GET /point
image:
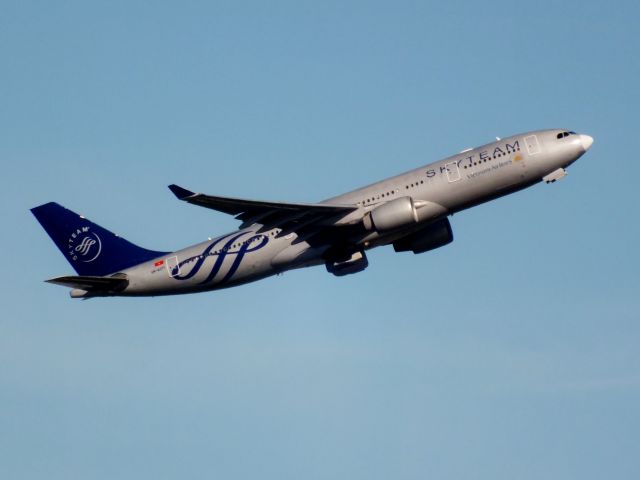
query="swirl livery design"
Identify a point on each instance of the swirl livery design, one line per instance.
(84, 245)
(214, 255)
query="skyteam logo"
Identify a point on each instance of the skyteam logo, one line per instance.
(84, 245)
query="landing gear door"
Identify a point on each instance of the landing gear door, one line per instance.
(453, 172)
(173, 267)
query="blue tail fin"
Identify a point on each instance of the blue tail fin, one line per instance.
(89, 248)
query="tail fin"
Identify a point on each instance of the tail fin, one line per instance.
(89, 248)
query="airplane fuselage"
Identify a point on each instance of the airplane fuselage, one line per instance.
(433, 192)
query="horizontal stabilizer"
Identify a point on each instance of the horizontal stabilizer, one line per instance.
(92, 284)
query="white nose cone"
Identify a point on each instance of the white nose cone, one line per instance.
(586, 141)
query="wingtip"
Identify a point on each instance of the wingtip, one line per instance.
(180, 192)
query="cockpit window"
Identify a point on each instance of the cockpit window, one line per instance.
(565, 134)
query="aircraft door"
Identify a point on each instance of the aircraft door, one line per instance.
(533, 147)
(453, 172)
(173, 266)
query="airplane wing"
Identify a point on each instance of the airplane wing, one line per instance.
(289, 217)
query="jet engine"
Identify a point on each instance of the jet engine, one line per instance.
(347, 264)
(393, 214)
(434, 235)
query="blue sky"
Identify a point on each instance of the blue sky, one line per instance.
(511, 353)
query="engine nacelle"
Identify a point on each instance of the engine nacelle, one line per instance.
(393, 214)
(434, 235)
(353, 263)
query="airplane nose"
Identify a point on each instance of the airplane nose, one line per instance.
(586, 141)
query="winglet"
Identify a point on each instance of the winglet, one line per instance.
(180, 192)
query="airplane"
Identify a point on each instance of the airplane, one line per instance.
(409, 211)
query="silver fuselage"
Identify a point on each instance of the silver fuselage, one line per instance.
(442, 188)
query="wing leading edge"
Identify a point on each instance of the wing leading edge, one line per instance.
(288, 217)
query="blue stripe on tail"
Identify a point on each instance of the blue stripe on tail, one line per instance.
(89, 248)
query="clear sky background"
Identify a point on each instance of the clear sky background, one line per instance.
(511, 353)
